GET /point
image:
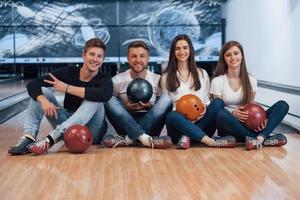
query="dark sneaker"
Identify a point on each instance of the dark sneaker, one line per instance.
(252, 143)
(162, 142)
(40, 147)
(225, 142)
(112, 141)
(276, 140)
(184, 142)
(21, 147)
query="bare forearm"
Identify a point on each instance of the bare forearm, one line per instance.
(76, 91)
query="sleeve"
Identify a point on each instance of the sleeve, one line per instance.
(206, 88)
(34, 88)
(215, 88)
(102, 92)
(115, 82)
(163, 83)
(156, 87)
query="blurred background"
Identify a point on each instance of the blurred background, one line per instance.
(37, 37)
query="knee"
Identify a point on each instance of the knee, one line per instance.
(222, 115)
(113, 102)
(171, 116)
(47, 92)
(218, 103)
(283, 105)
(92, 104)
(100, 107)
(164, 102)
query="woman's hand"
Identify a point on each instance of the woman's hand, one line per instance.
(240, 114)
(262, 126)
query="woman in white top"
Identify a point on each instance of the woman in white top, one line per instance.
(236, 87)
(183, 77)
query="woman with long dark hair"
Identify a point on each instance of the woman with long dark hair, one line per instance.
(237, 87)
(183, 77)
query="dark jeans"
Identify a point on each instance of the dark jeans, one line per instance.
(135, 124)
(178, 125)
(227, 124)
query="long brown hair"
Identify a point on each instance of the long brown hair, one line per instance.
(222, 68)
(172, 82)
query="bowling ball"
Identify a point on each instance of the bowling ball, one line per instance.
(139, 90)
(256, 115)
(78, 138)
(190, 106)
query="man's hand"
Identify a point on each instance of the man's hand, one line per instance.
(49, 109)
(137, 106)
(57, 84)
(146, 106)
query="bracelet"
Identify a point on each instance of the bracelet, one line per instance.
(67, 86)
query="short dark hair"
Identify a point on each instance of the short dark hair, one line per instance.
(137, 44)
(94, 42)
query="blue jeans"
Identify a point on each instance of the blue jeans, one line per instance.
(90, 114)
(178, 125)
(227, 124)
(135, 124)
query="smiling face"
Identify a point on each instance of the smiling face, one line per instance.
(93, 59)
(182, 51)
(138, 58)
(233, 57)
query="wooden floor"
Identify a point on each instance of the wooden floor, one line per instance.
(142, 173)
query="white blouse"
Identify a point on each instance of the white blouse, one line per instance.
(185, 87)
(220, 87)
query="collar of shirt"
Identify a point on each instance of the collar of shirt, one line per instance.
(189, 81)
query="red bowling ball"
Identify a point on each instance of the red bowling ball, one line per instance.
(190, 106)
(256, 115)
(78, 138)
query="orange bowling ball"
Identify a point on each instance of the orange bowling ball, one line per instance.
(78, 138)
(190, 106)
(256, 115)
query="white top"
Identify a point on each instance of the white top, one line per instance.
(122, 80)
(220, 87)
(185, 88)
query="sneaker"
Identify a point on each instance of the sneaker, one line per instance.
(112, 141)
(162, 142)
(225, 142)
(276, 140)
(252, 143)
(40, 147)
(184, 142)
(21, 147)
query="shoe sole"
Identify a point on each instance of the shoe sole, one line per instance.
(18, 153)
